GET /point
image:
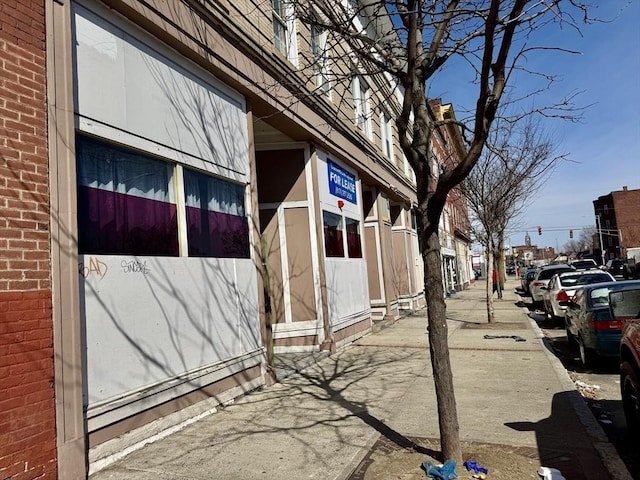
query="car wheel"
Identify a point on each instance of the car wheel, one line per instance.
(587, 355)
(630, 389)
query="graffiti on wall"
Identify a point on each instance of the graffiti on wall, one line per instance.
(95, 267)
(134, 266)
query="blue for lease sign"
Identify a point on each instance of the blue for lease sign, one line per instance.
(342, 184)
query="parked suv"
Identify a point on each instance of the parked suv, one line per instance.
(625, 306)
(584, 264)
(616, 267)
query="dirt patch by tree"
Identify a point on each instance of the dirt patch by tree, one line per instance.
(388, 461)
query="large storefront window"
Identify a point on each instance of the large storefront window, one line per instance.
(216, 223)
(125, 206)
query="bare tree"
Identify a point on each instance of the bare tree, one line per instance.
(519, 158)
(584, 242)
(410, 40)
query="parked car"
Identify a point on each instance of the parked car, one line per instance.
(584, 264)
(542, 278)
(590, 324)
(563, 286)
(625, 307)
(526, 277)
(510, 269)
(616, 267)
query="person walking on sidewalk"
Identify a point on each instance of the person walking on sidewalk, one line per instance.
(496, 283)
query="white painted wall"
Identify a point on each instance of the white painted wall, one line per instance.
(347, 291)
(135, 91)
(149, 319)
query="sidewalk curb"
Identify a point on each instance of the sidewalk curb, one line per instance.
(607, 452)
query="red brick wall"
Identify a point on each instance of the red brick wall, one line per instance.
(627, 207)
(27, 413)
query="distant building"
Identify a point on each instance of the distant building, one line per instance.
(618, 222)
(529, 254)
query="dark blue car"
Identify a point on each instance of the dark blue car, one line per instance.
(589, 322)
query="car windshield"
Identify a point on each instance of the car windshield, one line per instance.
(584, 264)
(584, 279)
(600, 296)
(547, 274)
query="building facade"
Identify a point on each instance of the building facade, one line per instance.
(618, 222)
(188, 190)
(455, 226)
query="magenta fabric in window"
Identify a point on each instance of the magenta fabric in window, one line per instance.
(333, 242)
(354, 245)
(124, 203)
(111, 223)
(333, 236)
(216, 234)
(216, 221)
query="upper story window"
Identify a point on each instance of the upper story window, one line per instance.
(362, 105)
(320, 54)
(284, 29)
(386, 135)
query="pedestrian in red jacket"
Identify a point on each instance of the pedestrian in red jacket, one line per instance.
(496, 283)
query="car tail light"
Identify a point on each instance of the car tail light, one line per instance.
(606, 325)
(562, 296)
(538, 284)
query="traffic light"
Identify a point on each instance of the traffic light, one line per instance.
(539, 230)
(570, 233)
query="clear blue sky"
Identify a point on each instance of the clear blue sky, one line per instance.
(604, 148)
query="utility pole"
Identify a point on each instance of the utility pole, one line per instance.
(600, 236)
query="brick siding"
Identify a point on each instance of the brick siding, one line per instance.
(27, 412)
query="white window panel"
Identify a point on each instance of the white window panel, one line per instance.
(362, 106)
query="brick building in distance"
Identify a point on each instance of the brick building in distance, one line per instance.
(618, 222)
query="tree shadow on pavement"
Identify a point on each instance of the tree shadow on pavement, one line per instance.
(563, 441)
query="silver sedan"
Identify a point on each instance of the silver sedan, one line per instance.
(562, 287)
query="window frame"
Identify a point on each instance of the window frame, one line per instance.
(345, 248)
(386, 133)
(320, 54)
(282, 16)
(362, 105)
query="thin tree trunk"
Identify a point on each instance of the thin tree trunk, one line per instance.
(439, 349)
(501, 265)
(490, 267)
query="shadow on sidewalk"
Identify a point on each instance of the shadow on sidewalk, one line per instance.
(563, 442)
(329, 380)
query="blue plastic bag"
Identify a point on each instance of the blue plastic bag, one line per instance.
(444, 472)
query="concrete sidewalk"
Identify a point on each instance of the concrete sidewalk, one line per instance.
(322, 421)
